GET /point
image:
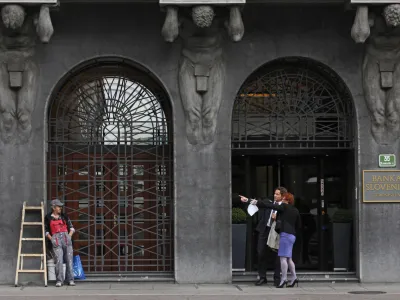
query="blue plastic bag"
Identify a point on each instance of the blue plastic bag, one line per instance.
(78, 269)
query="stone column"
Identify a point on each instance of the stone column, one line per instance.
(378, 27)
(203, 202)
(21, 156)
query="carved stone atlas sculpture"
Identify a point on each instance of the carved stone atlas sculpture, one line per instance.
(18, 72)
(201, 69)
(379, 29)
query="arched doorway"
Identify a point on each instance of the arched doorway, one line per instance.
(292, 126)
(110, 160)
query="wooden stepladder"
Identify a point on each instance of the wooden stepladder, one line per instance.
(42, 256)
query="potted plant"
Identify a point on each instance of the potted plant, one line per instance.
(342, 231)
(239, 229)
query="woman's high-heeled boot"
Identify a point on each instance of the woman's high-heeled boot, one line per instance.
(295, 282)
(282, 284)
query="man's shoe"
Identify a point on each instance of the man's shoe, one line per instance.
(58, 284)
(71, 283)
(261, 281)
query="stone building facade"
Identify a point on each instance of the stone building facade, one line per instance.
(55, 132)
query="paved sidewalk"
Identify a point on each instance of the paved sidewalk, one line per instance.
(160, 291)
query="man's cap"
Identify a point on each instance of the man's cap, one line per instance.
(56, 202)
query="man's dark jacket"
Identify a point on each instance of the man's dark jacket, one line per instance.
(264, 213)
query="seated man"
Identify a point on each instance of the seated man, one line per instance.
(59, 231)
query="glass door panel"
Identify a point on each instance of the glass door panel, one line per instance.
(299, 176)
(316, 200)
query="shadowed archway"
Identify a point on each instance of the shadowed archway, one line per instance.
(293, 125)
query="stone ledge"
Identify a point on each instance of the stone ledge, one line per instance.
(191, 291)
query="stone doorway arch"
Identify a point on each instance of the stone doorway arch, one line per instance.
(293, 124)
(110, 160)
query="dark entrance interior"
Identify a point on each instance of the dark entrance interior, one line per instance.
(292, 126)
(322, 185)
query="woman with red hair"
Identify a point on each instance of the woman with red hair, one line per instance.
(290, 223)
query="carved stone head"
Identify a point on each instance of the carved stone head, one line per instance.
(13, 16)
(203, 15)
(391, 13)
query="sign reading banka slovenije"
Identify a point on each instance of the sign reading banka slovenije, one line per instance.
(381, 186)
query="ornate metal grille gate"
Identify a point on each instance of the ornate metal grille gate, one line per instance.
(293, 103)
(109, 159)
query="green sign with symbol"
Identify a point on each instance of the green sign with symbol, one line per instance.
(387, 160)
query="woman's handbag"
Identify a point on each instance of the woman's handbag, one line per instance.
(273, 238)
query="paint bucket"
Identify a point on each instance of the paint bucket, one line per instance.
(51, 270)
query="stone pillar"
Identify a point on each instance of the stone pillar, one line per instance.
(378, 27)
(202, 214)
(203, 202)
(21, 153)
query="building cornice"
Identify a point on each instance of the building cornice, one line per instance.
(222, 2)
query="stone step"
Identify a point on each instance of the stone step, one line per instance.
(305, 276)
(130, 277)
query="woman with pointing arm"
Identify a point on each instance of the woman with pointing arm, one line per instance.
(290, 224)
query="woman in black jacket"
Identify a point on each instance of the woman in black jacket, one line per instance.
(290, 223)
